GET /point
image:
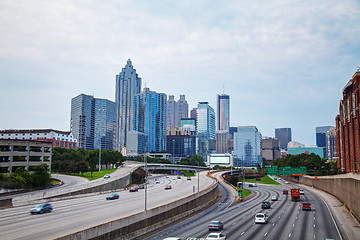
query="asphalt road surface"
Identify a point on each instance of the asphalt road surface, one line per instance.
(79, 213)
(286, 218)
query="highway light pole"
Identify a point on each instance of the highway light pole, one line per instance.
(145, 181)
(100, 154)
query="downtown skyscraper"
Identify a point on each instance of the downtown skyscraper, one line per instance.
(128, 83)
(150, 118)
(205, 130)
(284, 136)
(247, 147)
(176, 110)
(93, 122)
(223, 123)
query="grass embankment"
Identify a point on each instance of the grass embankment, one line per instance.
(266, 180)
(245, 192)
(188, 173)
(95, 174)
(54, 181)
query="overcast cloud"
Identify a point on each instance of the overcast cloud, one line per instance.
(283, 63)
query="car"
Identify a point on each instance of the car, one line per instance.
(167, 187)
(107, 176)
(306, 206)
(141, 186)
(112, 196)
(178, 177)
(274, 198)
(261, 218)
(285, 192)
(216, 236)
(157, 180)
(286, 182)
(189, 178)
(41, 208)
(167, 176)
(215, 225)
(172, 238)
(265, 205)
(134, 189)
(301, 192)
(251, 185)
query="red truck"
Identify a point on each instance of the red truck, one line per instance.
(295, 194)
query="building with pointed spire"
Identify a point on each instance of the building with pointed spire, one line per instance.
(128, 83)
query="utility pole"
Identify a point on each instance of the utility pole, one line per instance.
(100, 155)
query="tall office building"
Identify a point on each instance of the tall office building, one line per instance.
(321, 135)
(176, 110)
(150, 118)
(193, 113)
(331, 151)
(284, 136)
(93, 121)
(271, 148)
(170, 112)
(223, 123)
(247, 147)
(82, 120)
(128, 83)
(205, 132)
(182, 110)
(223, 112)
(105, 124)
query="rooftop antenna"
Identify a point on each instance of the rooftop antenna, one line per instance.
(223, 88)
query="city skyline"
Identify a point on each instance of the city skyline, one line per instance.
(280, 69)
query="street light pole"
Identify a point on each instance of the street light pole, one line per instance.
(145, 181)
(100, 155)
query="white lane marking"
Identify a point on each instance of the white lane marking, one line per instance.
(290, 235)
(279, 216)
(265, 234)
(314, 225)
(337, 229)
(274, 224)
(234, 223)
(314, 218)
(294, 225)
(296, 217)
(242, 233)
(314, 236)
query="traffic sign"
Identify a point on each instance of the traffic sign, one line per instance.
(240, 192)
(285, 171)
(273, 170)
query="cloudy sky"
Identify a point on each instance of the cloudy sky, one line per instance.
(283, 63)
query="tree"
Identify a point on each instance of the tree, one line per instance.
(138, 175)
(41, 176)
(92, 159)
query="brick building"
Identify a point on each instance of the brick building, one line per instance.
(348, 127)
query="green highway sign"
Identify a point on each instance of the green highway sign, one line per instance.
(240, 192)
(272, 170)
(299, 171)
(285, 171)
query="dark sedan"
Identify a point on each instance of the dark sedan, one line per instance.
(265, 205)
(41, 208)
(112, 196)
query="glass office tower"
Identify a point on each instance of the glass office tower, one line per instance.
(284, 136)
(105, 124)
(321, 135)
(223, 112)
(93, 121)
(205, 130)
(150, 118)
(82, 120)
(247, 147)
(128, 83)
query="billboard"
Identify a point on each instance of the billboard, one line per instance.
(219, 160)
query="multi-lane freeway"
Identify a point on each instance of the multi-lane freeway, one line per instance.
(75, 214)
(286, 218)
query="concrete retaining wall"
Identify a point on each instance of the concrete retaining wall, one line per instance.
(345, 188)
(6, 203)
(143, 222)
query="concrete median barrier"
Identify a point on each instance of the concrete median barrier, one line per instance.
(146, 221)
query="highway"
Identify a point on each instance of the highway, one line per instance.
(75, 214)
(286, 218)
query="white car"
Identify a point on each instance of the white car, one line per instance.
(286, 182)
(261, 218)
(107, 176)
(157, 180)
(215, 236)
(301, 192)
(274, 198)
